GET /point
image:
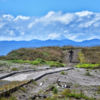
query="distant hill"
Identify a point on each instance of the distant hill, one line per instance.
(7, 46)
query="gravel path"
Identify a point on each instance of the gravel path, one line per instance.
(33, 75)
(75, 79)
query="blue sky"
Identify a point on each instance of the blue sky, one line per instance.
(77, 20)
(41, 7)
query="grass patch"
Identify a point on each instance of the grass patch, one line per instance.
(10, 98)
(98, 90)
(63, 73)
(55, 90)
(87, 73)
(23, 89)
(67, 94)
(34, 82)
(45, 53)
(11, 85)
(14, 69)
(55, 64)
(88, 66)
(5, 63)
(39, 61)
(81, 57)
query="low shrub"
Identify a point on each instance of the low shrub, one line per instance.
(87, 73)
(81, 57)
(5, 63)
(38, 61)
(62, 73)
(14, 69)
(88, 65)
(23, 89)
(98, 90)
(66, 92)
(55, 90)
(8, 98)
(55, 64)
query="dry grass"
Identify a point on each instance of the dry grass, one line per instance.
(92, 55)
(87, 54)
(45, 53)
(11, 85)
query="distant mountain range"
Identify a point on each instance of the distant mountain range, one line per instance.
(8, 46)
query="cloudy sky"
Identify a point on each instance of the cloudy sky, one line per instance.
(77, 20)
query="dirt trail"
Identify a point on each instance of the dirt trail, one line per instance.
(34, 75)
(75, 79)
(74, 57)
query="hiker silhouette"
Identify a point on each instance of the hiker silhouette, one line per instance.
(70, 55)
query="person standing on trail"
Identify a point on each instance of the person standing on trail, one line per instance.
(70, 55)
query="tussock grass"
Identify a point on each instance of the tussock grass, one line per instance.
(11, 85)
(45, 53)
(10, 98)
(68, 94)
(39, 61)
(5, 63)
(90, 66)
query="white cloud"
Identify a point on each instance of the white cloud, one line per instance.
(8, 17)
(21, 18)
(52, 17)
(84, 13)
(76, 26)
(53, 36)
(50, 14)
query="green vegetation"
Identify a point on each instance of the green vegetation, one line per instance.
(5, 63)
(34, 82)
(14, 69)
(68, 94)
(98, 90)
(38, 61)
(81, 57)
(45, 53)
(55, 64)
(10, 98)
(88, 66)
(23, 89)
(57, 54)
(89, 57)
(92, 55)
(87, 73)
(11, 85)
(52, 56)
(63, 73)
(55, 90)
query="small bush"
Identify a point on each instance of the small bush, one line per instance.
(14, 69)
(87, 73)
(4, 63)
(98, 90)
(81, 57)
(88, 66)
(66, 92)
(34, 82)
(55, 64)
(23, 89)
(38, 62)
(9, 98)
(55, 90)
(62, 73)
